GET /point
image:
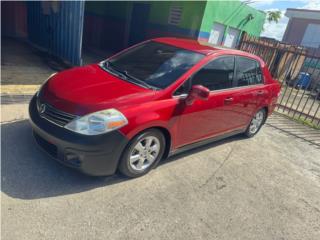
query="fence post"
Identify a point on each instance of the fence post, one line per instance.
(242, 37)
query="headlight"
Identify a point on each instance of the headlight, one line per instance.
(98, 122)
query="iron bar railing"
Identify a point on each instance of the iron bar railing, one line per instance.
(298, 71)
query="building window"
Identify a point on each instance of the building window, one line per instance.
(231, 38)
(216, 34)
(175, 15)
(311, 36)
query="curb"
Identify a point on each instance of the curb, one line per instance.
(19, 89)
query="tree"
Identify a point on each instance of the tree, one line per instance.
(273, 16)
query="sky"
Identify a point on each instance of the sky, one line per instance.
(276, 30)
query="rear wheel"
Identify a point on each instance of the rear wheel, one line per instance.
(256, 123)
(142, 153)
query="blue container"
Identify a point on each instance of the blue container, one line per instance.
(303, 80)
(57, 28)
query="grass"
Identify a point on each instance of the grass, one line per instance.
(306, 122)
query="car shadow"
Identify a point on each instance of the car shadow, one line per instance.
(29, 173)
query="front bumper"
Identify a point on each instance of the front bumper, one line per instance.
(94, 155)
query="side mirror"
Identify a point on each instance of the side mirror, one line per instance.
(197, 92)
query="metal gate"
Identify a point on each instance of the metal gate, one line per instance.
(298, 71)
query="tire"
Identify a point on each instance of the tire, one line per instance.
(142, 153)
(256, 123)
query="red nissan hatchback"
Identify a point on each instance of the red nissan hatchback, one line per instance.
(150, 101)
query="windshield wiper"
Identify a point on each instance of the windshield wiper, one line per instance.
(128, 75)
(107, 64)
(138, 80)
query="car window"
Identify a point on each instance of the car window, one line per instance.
(248, 72)
(183, 89)
(216, 75)
(155, 63)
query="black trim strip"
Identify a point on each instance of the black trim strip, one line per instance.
(205, 142)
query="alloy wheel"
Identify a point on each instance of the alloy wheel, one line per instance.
(256, 122)
(144, 153)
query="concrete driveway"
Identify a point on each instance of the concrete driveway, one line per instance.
(267, 187)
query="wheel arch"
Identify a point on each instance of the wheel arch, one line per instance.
(165, 131)
(168, 138)
(266, 108)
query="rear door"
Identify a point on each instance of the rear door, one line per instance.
(251, 91)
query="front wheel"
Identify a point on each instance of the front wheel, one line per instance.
(256, 123)
(142, 153)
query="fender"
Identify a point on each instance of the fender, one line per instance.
(150, 124)
(163, 114)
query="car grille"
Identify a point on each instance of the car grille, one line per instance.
(54, 115)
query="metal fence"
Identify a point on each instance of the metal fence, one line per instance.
(298, 71)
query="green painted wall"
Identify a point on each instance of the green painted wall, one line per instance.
(159, 11)
(232, 13)
(192, 13)
(196, 21)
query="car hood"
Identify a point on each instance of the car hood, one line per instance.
(82, 90)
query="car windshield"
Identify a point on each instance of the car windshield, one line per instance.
(154, 64)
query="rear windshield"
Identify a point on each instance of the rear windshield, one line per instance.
(156, 64)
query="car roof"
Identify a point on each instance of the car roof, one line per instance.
(200, 46)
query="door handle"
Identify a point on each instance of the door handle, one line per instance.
(260, 92)
(228, 100)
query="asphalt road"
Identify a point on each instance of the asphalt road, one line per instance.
(267, 187)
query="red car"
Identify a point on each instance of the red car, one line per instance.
(148, 102)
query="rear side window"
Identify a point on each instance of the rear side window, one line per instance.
(216, 75)
(248, 72)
